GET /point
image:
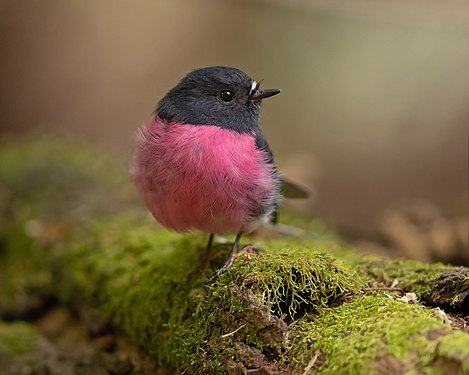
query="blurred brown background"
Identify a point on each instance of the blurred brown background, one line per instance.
(375, 106)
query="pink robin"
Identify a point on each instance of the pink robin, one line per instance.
(203, 163)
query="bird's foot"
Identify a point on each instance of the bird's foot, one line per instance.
(247, 250)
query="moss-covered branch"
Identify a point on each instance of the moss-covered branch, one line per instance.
(298, 308)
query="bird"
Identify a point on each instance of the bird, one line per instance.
(203, 162)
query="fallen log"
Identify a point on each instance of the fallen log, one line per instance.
(72, 234)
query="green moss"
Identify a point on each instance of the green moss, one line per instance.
(47, 179)
(455, 348)
(48, 187)
(409, 273)
(367, 335)
(17, 339)
(434, 283)
(147, 283)
(292, 279)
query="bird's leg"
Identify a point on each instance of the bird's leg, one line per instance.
(209, 245)
(204, 261)
(231, 259)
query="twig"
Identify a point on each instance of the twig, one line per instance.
(311, 363)
(232, 333)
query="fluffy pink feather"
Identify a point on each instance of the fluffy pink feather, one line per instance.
(203, 177)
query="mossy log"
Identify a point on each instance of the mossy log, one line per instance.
(72, 232)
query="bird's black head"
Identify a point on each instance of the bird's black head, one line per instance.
(219, 96)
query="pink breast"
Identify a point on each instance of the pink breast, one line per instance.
(203, 177)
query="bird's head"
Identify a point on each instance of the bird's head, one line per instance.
(218, 96)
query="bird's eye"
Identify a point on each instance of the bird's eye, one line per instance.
(226, 96)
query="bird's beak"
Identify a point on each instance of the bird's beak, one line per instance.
(263, 94)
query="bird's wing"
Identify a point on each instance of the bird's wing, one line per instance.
(292, 190)
(289, 189)
(261, 144)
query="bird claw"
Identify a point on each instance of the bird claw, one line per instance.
(246, 250)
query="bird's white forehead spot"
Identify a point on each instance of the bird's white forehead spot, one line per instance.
(253, 86)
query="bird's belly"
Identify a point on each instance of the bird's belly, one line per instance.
(205, 177)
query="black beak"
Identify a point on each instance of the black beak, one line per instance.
(263, 94)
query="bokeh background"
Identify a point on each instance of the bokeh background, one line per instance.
(373, 117)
